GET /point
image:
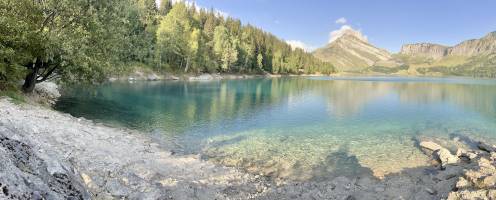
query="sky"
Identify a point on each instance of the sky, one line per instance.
(386, 24)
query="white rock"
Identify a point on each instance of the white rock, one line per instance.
(46, 92)
(203, 77)
(446, 157)
(430, 145)
(153, 77)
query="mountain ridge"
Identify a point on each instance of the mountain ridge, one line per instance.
(473, 47)
(351, 52)
(474, 57)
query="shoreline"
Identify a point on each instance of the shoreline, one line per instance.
(152, 76)
(100, 162)
(143, 75)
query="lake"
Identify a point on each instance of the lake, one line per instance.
(298, 128)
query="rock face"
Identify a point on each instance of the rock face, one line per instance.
(46, 93)
(476, 47)
(351, 53)
(28, 174)
(425, 50)
(483, 46)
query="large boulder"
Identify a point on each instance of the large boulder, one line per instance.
(27, 173)
(430, 145)
(445, 156)
(153, 77)
(46, 93)
(441, 154)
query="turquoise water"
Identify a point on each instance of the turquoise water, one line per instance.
(298, 128)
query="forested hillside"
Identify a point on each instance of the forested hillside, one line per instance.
(89, 40)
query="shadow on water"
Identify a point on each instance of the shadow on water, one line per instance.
(340, 163)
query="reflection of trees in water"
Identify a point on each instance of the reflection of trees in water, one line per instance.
(180, 105)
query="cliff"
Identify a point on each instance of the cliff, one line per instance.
(474, 47)
(425, 50)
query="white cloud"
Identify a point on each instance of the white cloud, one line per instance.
(341, 20)
(299, 44)
(346, 30)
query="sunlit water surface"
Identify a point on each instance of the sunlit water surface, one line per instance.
(298, 128)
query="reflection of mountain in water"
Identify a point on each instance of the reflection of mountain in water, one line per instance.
(472, 97)
(177, 106)
(293, 127)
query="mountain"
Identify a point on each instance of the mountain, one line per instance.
(429, 50)
(476, 57)
(351, 52)
(475, 47)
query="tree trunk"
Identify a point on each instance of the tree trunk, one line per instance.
(187, 66)
(30, 80)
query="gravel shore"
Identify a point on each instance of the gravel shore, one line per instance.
(45, 154)
(109, 163)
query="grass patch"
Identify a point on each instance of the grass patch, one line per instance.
(387, 70)
(16, 96)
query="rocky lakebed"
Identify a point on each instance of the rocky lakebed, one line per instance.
(46, 154)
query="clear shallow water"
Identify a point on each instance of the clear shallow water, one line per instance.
(298, 128)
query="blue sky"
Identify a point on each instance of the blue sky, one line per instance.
(386, 23)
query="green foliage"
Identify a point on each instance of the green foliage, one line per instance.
(260, 61)
(478, 66)
(74, 40)
(197, 40)
(387, 70)
(88, 41)
(225, 47)
(15, 95)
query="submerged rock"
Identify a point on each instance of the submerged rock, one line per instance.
(486, 147)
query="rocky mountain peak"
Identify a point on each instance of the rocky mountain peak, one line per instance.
(474, 47)
(346, 32)
(425, 50)
(349, 50)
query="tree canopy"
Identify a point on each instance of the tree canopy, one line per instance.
(89, 40)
